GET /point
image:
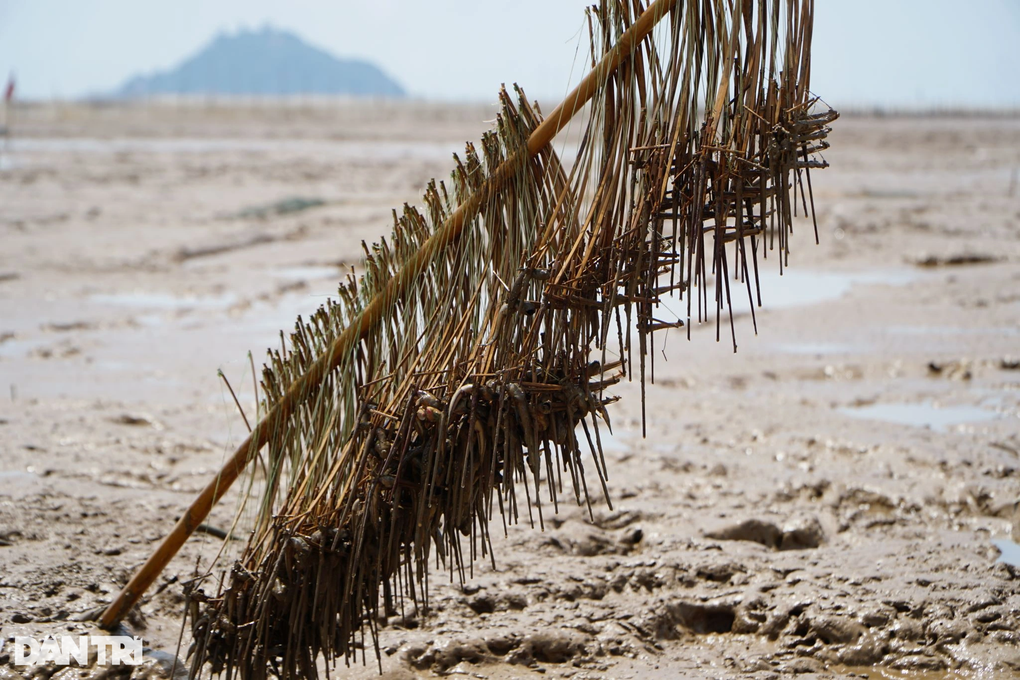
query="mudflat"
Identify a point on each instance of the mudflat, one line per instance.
(835, 497)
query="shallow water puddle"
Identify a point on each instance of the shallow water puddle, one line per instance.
(820, 348)
(17, 475)
(800, 287)
(18, 483)
(1009, 552)
(370, 149)
(166, 301)
(612, 442)
(953, 330)
(794, 288)
(14, 349)
(926, 415)
(307, 272)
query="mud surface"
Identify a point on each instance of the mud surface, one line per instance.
(823, 502)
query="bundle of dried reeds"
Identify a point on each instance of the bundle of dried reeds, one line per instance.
(465, 373)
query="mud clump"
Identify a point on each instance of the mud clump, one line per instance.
(487, 603)
(703, 619)
(831, 629)
(548, 647)
(867, 650)
(802, 534)
(674, 619)
(754, 530)
(798, 534)
(443, 655)
(555, 647)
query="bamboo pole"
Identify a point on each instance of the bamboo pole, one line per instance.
(308, 384)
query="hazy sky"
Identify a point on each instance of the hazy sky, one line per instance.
(867, 52)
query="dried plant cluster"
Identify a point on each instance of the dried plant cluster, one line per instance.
(480, 387)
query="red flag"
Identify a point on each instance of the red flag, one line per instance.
(9, 92)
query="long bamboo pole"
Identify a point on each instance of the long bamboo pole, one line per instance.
(381, 304)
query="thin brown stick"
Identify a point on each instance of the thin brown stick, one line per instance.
(237, 403)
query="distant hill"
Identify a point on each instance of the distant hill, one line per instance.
(265, 62)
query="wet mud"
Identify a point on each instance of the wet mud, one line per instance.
(836, 499)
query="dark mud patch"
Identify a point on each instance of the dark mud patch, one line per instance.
(955, 260)
(68, 327)
(136, 420)
(283, 207)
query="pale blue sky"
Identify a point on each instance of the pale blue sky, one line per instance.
(867, 52)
